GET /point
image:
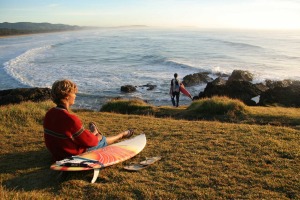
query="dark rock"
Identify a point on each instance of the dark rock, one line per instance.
(281, 94)
(220, 74)
(196, 98)
(240, 75)
(273, 84)
(250, 102)
(196, 79)
(261, 87)
(149, 86)
(13, 96)
(238, 86)
(242, 90)
(219, 81)
(128, 88)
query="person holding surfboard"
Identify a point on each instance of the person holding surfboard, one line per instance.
(64, 133)
(175, 90)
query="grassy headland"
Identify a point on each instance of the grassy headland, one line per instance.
(22, 28)
(221, 109)
(204, 156)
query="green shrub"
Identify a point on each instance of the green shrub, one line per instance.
(123, 106)
(218, 106)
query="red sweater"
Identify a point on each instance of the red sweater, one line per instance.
(65, 135)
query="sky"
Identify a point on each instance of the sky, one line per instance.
(232, 14)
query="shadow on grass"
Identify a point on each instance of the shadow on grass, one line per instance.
(31, 171)
(27, 171)
(274, 120)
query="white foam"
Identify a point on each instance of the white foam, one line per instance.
(18, 66)
(256, 99)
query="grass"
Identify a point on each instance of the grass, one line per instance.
(201, 159)
(124, 106)
(218, 106)
(221, 109)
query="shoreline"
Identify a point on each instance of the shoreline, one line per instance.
(25, 34)
(282, 93)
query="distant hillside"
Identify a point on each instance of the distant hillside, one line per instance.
(28, 27)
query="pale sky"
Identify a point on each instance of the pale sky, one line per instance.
(238, 14)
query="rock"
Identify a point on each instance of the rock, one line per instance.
(238, 86)
(219, 81)
(128, 88)
(195, 98)
(240, 75)
(14, 96)
(281, 94)
(220, 74)
(196, 79)
(273, 84)
(261, 87)
(242, 90)
(149, 86)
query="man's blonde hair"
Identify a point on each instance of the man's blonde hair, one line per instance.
(61, 89)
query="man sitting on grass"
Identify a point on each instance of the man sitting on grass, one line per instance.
(64, 133)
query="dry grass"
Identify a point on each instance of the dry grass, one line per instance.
(221, 109)
(201, 159)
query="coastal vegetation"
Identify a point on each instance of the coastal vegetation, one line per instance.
(216, 148)
(223, 109)
(19, 28)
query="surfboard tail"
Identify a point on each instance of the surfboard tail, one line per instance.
(185, 92)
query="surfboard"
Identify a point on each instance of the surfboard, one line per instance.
(184, 91)
(104, 157)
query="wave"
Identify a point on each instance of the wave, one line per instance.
(176, 65)
(15, 66)
(285, 57)
(237, 44)
(70, 41)
(164, 61)
(152, 59)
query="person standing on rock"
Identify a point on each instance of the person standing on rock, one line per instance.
(175, 90)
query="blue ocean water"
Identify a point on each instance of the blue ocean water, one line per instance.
(100, 61)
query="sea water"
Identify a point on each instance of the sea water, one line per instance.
(100, 61)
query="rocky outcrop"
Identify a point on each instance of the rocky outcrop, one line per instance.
(282, 94)
(239, 86)
(240, 75)
(220, 74)
(13, 96)
(284, 83)
(128, 88)
(262, 87)
(218, 81)
(196, 79)
(242, 90)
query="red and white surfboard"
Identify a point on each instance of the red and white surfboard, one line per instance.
(103, 157)
(184, 91)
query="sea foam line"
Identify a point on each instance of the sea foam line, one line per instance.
(17, 65)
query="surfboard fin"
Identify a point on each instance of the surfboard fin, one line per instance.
(96, 174)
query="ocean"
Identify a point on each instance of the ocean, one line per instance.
(100, 61)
